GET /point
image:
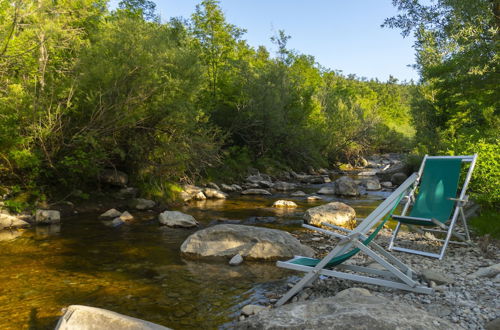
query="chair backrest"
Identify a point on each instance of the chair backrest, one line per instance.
(439, 183)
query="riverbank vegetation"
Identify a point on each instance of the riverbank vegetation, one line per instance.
(83, 88)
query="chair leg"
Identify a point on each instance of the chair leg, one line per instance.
(464, 221)
(449, 233)
(393, 238)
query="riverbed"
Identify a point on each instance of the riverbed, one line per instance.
(136, 269)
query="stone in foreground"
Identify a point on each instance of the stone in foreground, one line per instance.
(250, 242)
(335, 213)
(350, 309)
(47, 217)
(177, 219)
(284, 203)
(78, 317)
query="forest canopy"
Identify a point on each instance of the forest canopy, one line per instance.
(84, 88)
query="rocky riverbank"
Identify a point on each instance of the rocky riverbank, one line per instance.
(466, 283)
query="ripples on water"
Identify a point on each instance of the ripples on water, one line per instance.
(137, 269)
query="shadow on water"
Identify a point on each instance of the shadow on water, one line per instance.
(137, 269)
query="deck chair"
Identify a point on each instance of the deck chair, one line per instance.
(435, 202)
(395, 274)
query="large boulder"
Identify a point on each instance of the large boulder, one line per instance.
(177, 219)
(47, 217)
(335, 213)
(346, 186)
(142, 204)
(250, 242)
(214, 193)
(353, 308)
(77, 317)
(398, 178)
(283, 186)
(10, 221)
(255, 192)
(114, 177)
(397, 167)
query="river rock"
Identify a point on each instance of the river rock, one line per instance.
(114, 177)
(398, 178)
(490, 271)
(110, 214)
(283, 186)
(349, 309)
(10, 221)
(115, 222)
(346, 186)
(386, 184)
(47, 217)
(372, 184)
(252, 309)
(227, 188)
(142, 204)
(177, 219)
(330, 190)
(237, 187)
(213, 185)
(126, 216)
(78, 317)
(335, 213)
(283, 203)
(250, 242)
(189, 192)
(128, 192)
(255, 192)
(386, 174)
(214, 193)
(199, 196)
(298, 193)
(236, 260)
(265, 184)
(314, 198)
(367, 173)
(435, 276)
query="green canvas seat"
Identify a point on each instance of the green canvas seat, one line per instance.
(395, 274)
(436, 200)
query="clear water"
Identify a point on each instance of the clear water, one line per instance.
(137, 270)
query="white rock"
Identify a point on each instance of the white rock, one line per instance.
(373, 184)
(327, 191)
(77, 317)
(111, 214)
(490, 271)
(227, 188)
(298, 193)
(336, 213)
(177, 219)
(214, 193)
(126, 216)
(255, 192)
(10, 221)
(47, 216)
(386, 184)
(199, 196)
(283, 203)
(236, 260)
(314, 198)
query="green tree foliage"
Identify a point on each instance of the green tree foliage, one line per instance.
(83, 89)
(456, 108)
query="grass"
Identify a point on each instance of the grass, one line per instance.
(488, 222)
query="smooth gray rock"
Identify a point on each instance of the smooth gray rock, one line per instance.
(490, 271)
(350, 309)
(284, 186)
(298, 193)
(78, 317)
(213, 185)
(110, 214)
(437, 277)
(236, 260)
(114, 177)
(199, 196)
(252, 309)
(250, 242)
(142, 204)
(177, 219)
(214, 193)
(314, 198)
(47, 217)
(237, 187)
(283, 203)
(227, 188)
(386, 184)
(372, 184)
(255, 192)
(336, 213)
(327, 190)
(346, 186)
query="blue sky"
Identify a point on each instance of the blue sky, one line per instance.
(341, 34)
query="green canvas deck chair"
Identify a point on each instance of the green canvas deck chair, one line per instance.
(395, 274)
(437, 201)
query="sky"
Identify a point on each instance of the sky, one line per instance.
(342, 35)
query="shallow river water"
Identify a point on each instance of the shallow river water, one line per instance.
(137, 270)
